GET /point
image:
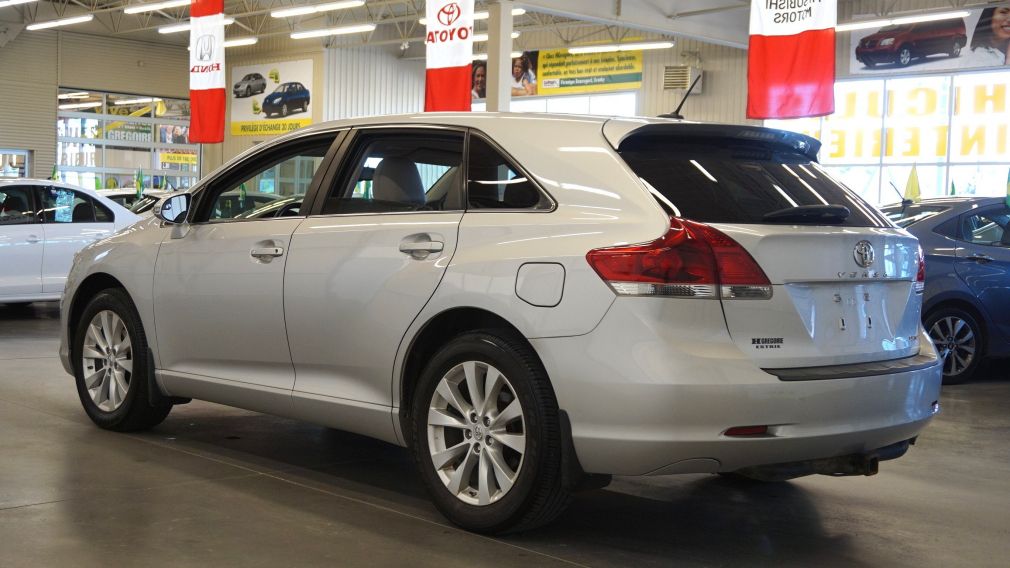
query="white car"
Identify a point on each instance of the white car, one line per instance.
(42, 226)
(128, 197)
(532, 303)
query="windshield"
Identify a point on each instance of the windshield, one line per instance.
(906, 215)
(281, 88)
(734, 180)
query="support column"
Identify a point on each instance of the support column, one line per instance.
(499, 56)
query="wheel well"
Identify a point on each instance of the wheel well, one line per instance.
(88, 289)
(434, 335)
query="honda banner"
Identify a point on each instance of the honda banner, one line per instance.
(206, 71)
(449, 43)
(791, 60)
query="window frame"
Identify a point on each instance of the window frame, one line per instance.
(345, 166)
(34, 203)
(239, 169)
(515, 165)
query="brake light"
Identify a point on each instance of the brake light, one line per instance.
(691, 260)
(920, 276)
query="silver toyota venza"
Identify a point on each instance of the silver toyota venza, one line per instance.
(531, 303)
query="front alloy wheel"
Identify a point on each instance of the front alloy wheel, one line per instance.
(904, 57)
(107, 360)
(958, 339)
(476, 433)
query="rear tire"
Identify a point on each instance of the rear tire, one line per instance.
(113, 358)
(955, 48)
(521, 490)
(960, 340)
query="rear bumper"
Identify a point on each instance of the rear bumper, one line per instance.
(647, 397)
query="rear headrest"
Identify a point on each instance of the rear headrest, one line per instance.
(520, 195)
(15, 203)
(397, 179)
(84, 213)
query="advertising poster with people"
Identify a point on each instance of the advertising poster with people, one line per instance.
(978, 41)
(557, 72)
(271, 98)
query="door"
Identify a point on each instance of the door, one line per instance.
(72, 220)
(21, 243)
(364, 265)
(218, 298)
(984, 261)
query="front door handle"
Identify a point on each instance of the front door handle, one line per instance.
(266, 252)
(980, 258)
(32, 239)
(421, 250)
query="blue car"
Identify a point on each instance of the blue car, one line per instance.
(286, 98)
(966, 307)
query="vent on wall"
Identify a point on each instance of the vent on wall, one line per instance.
(680, 77)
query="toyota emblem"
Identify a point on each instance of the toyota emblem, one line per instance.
(205, 48)
(863, 254)
(449, 14)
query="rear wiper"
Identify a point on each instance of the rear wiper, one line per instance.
(809, 213)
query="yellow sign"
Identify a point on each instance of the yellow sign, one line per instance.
(269, 127)
(177, 158)
(563, 73)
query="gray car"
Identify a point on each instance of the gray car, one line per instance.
(967, 246)
(251, 84)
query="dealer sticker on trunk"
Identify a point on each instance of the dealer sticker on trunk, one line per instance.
(767, 342)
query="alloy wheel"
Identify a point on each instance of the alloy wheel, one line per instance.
(107, 360)
(955, 340)
(476, 433)
(905, 56)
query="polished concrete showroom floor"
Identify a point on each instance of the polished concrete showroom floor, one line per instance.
(215, 486)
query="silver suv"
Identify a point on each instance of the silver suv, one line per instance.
(531, 303)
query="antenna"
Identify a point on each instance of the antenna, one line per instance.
(676, 113)
(904, 202)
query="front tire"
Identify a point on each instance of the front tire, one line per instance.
(112, 367)
(904, 56)
(284, 109)
(960, 340)
(487, 436)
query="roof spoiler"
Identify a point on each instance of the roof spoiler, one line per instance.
(792, 141)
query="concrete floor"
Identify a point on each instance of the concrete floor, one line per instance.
(215, 486)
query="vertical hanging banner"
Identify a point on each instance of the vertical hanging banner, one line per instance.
(449, 48)
(791, 58)
(206, 71)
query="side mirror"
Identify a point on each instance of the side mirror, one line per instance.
(172, 209)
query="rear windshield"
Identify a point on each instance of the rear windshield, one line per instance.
(726, 180)
(905, 215)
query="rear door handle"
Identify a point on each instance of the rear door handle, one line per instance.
(982, 258)
(33, 239)
(421, 250)
(266, 252)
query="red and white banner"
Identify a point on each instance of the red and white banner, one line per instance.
(206, 71)
(791, 61)
(449, 44)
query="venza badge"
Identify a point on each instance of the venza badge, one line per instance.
(863, 254)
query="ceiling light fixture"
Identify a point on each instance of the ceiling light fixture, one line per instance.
(850, 26)
(139, 101)
(241, 41)
(174, 28)
(78, 95)
(482, 15)
(620, 47)
(6, 3)
(76, 106)
(305, 10)
(361, 28)
(63, 22)
(141, 8)
(483, 37)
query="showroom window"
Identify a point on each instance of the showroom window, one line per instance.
(952, 129)
(107, 140)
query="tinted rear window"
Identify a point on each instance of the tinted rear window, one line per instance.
(726, 180)
(906, 215)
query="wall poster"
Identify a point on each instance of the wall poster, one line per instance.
(271, 98)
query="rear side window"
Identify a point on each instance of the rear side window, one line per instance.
(729, 180)
(905, 215)
(990, 228)
(494, 183)
(16, 205)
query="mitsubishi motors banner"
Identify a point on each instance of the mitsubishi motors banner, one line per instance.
(791, 59)
(449, 43)
(206, 71)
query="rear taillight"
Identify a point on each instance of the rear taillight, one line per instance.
(920, 276)
(691, 260)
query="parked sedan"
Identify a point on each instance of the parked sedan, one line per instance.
(531, 304)
(42, 225)
(967, 303)
(249, 85)
(286, 98)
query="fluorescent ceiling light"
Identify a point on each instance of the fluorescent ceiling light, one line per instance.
(482, 15)
(63, 22)
(621, 47)
(362, 28)
(305, 10)
(6, 3)
(76, 106)
(141, 8)
(239, 42)
(139, 101)
(850, 26)
(483, 37)
(185, 26)
(78, 95)
(483, 56)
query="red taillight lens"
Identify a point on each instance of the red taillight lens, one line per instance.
(744, 431)
(691, 260)
(920, 276)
